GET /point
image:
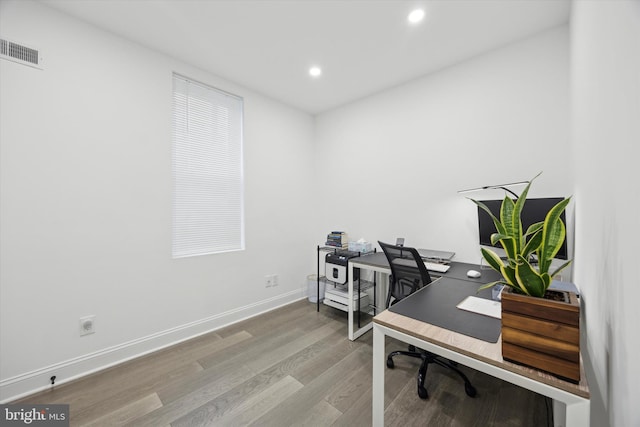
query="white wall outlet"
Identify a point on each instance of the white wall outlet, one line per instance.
(271, 280)
(87, 325)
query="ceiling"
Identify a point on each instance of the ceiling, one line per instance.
(362, 46)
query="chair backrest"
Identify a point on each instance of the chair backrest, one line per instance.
(408, 272)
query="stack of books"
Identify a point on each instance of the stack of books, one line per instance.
(337, 239)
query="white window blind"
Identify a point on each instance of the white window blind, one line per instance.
(208, 213)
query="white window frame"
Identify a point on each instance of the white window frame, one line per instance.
(208, 176)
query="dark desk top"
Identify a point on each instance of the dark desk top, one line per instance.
(437, 304)
(457, 270)
(376, 259)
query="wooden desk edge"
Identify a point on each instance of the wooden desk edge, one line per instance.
(484, 351)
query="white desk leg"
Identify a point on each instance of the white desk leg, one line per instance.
(383, 285)
(377, 398)
(350, 300)
(577, 414)
(559, 413)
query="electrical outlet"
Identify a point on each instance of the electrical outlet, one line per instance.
(87, 325)
(270, 280)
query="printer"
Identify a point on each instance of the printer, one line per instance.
(337, 272)
(336, 266)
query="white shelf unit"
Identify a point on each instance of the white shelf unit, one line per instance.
(336, 296)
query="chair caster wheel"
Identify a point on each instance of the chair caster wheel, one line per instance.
(422, 392)
(470, 390)
(390, 364)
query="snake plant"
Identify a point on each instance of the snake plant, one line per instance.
(522, 271)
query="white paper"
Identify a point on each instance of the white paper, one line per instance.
(482, 306)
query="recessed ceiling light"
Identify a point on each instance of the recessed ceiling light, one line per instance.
(315, 71)
(416, 16)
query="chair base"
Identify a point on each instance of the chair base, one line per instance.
(428, 358)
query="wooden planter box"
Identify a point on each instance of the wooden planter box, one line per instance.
(542, 333)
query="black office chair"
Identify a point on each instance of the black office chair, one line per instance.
(409, 274)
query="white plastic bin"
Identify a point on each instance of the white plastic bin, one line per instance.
(312, 288)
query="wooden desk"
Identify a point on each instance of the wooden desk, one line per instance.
(571, 401)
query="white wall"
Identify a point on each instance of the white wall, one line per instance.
(606, 107)
(86, 205)
(86, 188)
(500, 117)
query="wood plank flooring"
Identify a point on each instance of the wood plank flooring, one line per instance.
(289, 367)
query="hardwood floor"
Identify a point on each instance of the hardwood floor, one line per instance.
(289, 367)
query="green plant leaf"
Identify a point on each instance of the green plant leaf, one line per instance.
(534, 228)
(517, 210)
(553, 235)
(508, 244)
(533, 244)
(491, 285)
(559, 269)
(509, 274)
(529, 280)
(499, 227)
(492, 258)
(513, 228)
(553, 244)
(507, 271)
(546, 279)
(496, 237)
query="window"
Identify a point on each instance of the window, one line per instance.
(208, 199)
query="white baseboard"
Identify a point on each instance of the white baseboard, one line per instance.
(38, 380)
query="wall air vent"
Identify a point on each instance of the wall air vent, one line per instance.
(19, 53)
